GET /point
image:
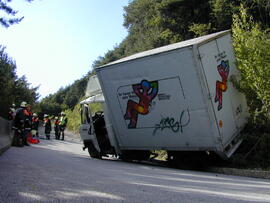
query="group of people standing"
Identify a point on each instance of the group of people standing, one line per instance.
(59, 126)
(26, 122)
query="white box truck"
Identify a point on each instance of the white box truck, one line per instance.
(178, 98)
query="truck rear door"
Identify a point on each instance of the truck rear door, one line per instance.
(218, 64)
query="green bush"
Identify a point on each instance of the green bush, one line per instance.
(253, 152)
(74, 119)
(74, 116)
(251, 45)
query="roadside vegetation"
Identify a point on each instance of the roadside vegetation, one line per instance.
(251, 43)
(13, 89)
(155, 23)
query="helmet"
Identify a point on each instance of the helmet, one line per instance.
(63, 113)
(45, 115)
(13, 105)
(23, 104)
(34, 114)
(56, 117)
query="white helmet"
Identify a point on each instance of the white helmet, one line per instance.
(23, 104)
(34, 114)
(63, 113)
(45, 115)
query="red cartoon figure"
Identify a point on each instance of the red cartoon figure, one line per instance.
(146, 91)
(223, 70)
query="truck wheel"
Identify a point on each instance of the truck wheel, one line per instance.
(94, 153)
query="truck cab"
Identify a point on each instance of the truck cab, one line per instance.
(93, 130)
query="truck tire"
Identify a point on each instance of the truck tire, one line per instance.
(93, 152)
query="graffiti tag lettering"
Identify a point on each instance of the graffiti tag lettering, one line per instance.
(173, 124)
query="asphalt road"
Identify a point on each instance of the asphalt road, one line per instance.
(59, 171)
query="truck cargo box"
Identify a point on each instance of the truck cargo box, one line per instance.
(178, 97)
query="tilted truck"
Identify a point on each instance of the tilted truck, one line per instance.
(178, 98)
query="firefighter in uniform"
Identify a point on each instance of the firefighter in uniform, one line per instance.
(63, 124)
(57, 128)
(21, 123)
(48, 126)
(35, 124)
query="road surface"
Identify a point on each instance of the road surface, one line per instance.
(59, 171)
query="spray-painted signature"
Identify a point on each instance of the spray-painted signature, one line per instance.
(172, 123)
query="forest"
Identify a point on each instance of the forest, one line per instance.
(154, 23)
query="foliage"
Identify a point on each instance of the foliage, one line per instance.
(96, 107)
(155, 23)
(251, 45)
(74, 116)
(13, 89)
(7, 21)
(221, 14)
(64, 98)
(74, 119)
(200, 29)
(254, 151)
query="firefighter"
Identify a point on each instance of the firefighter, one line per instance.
(63, 124)
(28, 122)
(57, 128)
(35, 124)
(20, 125)
(28, 118)
(48, 126)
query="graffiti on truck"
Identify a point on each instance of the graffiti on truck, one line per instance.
(221, 86)
(146, 91)
(173, 124)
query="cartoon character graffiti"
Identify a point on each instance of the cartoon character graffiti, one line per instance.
(221, 86)
(146, 91)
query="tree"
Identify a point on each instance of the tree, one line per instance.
(7, 21)
(12, 88)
